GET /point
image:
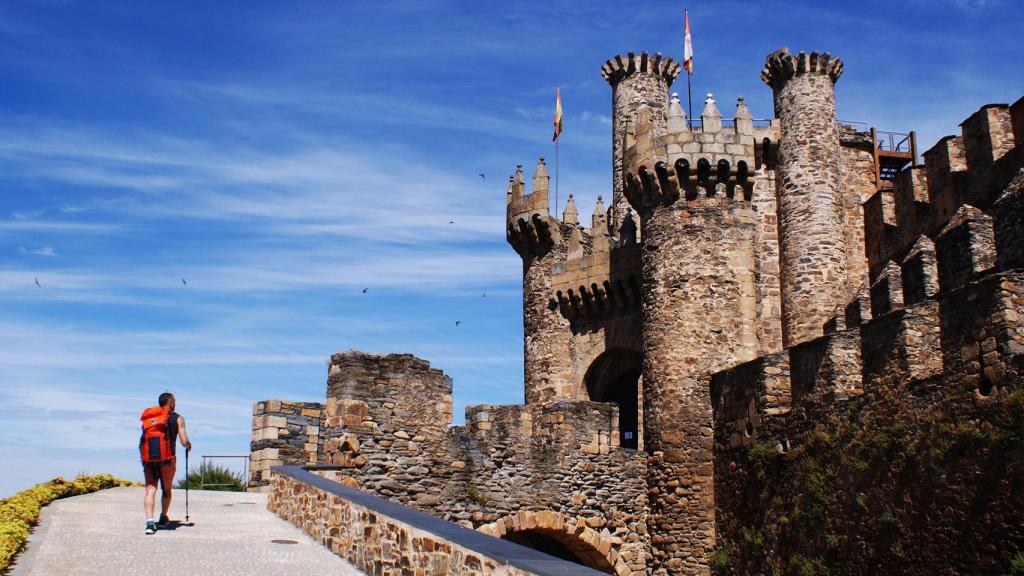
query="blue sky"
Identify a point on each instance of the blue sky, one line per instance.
(281, 157)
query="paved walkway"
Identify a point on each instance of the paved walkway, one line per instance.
(231, 533)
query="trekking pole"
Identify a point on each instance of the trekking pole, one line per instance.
(186, 485)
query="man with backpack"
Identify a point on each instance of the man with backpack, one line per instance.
(161, 426)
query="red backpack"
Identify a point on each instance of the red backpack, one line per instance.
(155, 445)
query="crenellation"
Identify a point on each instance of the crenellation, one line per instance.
(919, 271)
(987, 137)
(887, 290)
(965, 248)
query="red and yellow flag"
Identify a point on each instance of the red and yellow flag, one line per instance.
(558, 116)
(687, 46)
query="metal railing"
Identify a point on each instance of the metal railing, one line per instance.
(893, 141)
(204, 464)
(728, 122)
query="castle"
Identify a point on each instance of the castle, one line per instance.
(784, 347)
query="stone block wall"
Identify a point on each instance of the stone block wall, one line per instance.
(382, 538)
(385, 418)
(283, 432)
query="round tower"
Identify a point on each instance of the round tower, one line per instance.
(539, 240)
(638, 82)
(699, 317)
(812, 245)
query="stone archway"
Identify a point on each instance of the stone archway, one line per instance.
(614, 376)
(562, 536)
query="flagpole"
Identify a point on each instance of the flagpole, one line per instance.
(689, 100)
(556, 177)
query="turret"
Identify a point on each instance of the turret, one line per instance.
(538, 238)
(638, 82)
(699, 317)
(812, 256)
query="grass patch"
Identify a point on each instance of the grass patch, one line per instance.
(207, 473)
(19, 513)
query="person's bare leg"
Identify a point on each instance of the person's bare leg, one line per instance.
(165, 502)
(166, 483)
(150, 502)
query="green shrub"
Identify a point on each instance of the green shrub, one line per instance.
(720, 562)
(19, 513)
(1017, 565)
(207, 473)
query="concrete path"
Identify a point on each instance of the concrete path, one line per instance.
(232, 533)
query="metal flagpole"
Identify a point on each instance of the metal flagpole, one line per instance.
(689, 99)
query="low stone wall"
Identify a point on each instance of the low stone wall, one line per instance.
(283, 432)
(384, 538)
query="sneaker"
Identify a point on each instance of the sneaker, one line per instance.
(163, 521)
(150, 527)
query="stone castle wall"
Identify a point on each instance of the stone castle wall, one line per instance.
(283, 432)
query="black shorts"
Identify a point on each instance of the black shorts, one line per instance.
(162, 472)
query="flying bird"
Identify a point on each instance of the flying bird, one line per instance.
(451, 221)
(183, 283)
(458, 322)
(482, 177)
(485, 295)
(38, 285)
(365, 290)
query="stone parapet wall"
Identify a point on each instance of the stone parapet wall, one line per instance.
(383, 538)
(283, 432)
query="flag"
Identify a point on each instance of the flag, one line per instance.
(687, 46)
(558, 116)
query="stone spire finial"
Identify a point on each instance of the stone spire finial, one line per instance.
(570, 215)
(540, 177)
(627, 232)
(517, 183)
(744, 121)
(600, 214)
(676, 115)
(711, 115)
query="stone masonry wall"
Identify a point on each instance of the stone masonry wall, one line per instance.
(858, 184)
(374, 542)
(920, 474)
(386, 432)
(385, 420)
(283, 432)
(813, 244)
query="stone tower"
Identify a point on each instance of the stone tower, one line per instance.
(698, 230)
(813, 255)
(638, 83)
(537, 237)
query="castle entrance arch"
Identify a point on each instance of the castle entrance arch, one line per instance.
(555, 534)
(614, 376)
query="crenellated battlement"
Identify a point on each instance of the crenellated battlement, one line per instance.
(973, 170)
(529, 225)
(780, 66)
(617, 69)
(706, 161)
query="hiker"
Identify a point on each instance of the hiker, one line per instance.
(161, 425)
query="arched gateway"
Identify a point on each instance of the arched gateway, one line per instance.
(561, 536)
